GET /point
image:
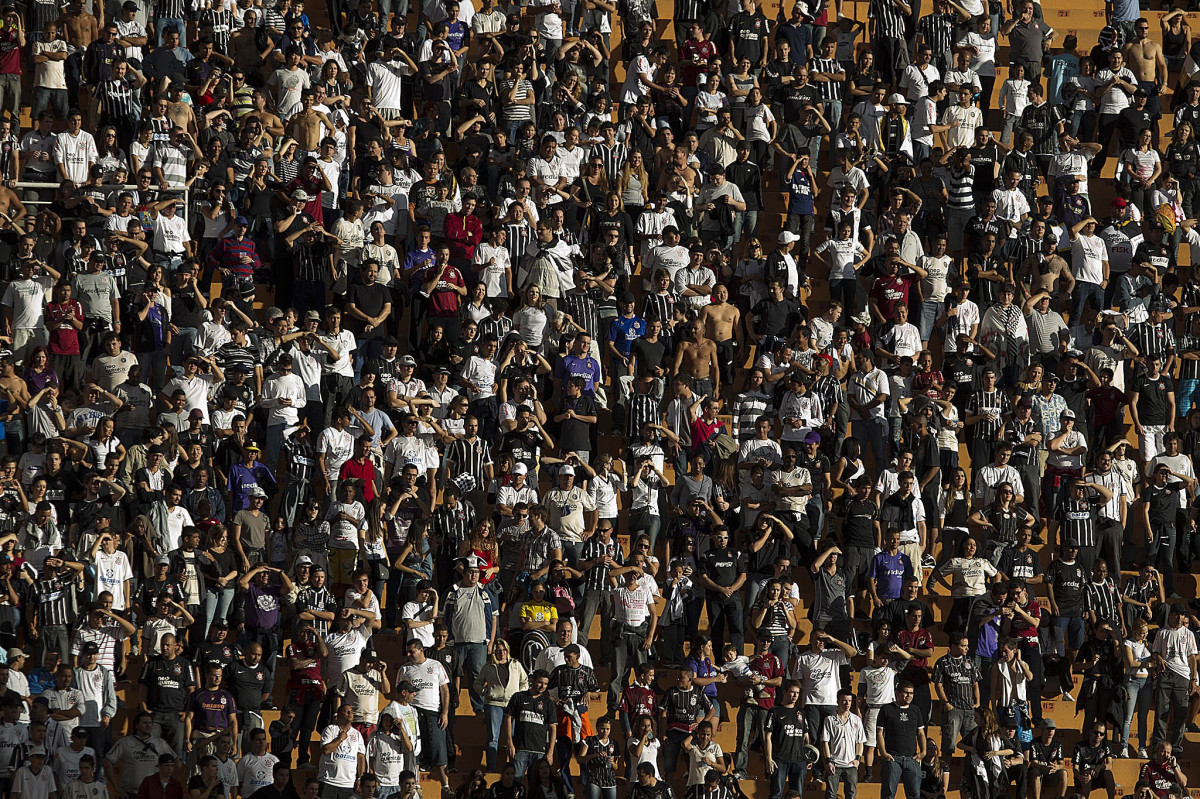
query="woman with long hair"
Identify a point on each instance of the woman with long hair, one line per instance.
(139, 150)
(738, 84)
(969, 575)
(955, 511)
(337, 84)
(508, 786)
(590, 189)
(1183, 162)
(38, 373)
(413, 565)
(497, 681)
(774, 616)
(545, 782)
(863, 76)
(473, 786)
(110, 156)
(219, 564)
(483, 544)
(1143, 166)
(103, 443)
(1138, 689)
(372, 545)
(530, 319)
(634, 185)
(998, 523)
(759, 125)
(599, 757)
(985, 766)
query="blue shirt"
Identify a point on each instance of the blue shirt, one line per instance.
(889, 572)
(585, 367)
(800, 194)
(623, 331)
(242, 479)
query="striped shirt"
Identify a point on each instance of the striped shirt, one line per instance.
(468, 457)
(938, 32)
(889, 19)
(582, 308)
(659, 306)
(1114, 482)
(612, 157)
(171, 160)
(450, 526)
(832, 89)
(515, 112)
(517, 239)
(56, 600)
(1153, 338)
(747, 408)
(642, 408)
(1079, 521)
(106, 639)
(983, 402)
(173, 9)
(1104, 600)
(596, 578)
(536, 548)
(962, 192)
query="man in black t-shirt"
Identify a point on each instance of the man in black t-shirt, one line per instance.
(1160, 507)
(530, 724)
(784, 742)
(1066, 579)
(1046, 768)
(1152, 405)
(1091, 761)
(163, 689)
(722, 573)
(901, 743)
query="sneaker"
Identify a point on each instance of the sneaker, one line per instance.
(868, 774)
(1143, 754)
(447, 792)
(1066, 697)
(741, 774)
(1192, 727)
(927, 562)
(1124, 753)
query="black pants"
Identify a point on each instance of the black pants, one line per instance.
(337, 392)
(1108, 126)
(726, 353)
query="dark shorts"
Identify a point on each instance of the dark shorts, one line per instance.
(433, 738)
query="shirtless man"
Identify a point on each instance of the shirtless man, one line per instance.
(12, 210)
(244, 46)
(720, 320)
(80, 29)
(678, 167)
(179, 112)
(697, 358)
(305, 125)
(1148, 65)
(1043, 270)
(271, 123)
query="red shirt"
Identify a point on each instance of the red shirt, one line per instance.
(10, 53)
(889, 292)
(364, 471)
(463, 234)
(694, 58)
(1107, 401)
(444, 301)
(638, 700)
(153, 788)
(64, 340)
(915, 672)
(768, 666)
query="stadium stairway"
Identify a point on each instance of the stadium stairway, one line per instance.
(1067, 16)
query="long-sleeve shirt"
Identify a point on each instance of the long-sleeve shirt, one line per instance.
(228, 255)
(289, 386)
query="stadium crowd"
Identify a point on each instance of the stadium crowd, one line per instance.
(801, 375)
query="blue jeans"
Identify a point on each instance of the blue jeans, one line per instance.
(54, 99)
(930, 309)
(216, 605)
(471, 658)
(163, 23)
(897, 770)
(1084, 292)
(1187, 394)
(744, 222)
(524, 759)
(1138, 698)
(876, 432)
(495, 720)
(787, 777)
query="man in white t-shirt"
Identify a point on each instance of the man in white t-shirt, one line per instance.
(23, 302)
(819, 673)
(1176, 652)
(386, 78)
(256, 768)
(343, 756)
(432, 701)
(1089, 265)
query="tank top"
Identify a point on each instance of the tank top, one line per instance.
(1174, 44)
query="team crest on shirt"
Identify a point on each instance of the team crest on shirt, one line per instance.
(177, 669)
(258, 676)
